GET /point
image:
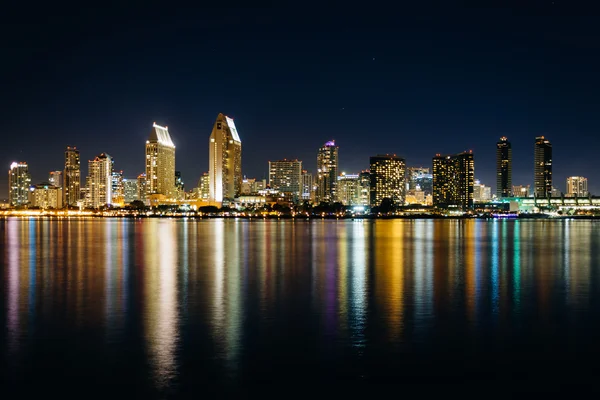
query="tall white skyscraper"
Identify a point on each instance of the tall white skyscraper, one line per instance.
(327, 172)
(225, 157)
(19, 182)
(99, 181)
(160, 162)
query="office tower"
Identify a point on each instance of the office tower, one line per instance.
(503, 168)
(577, 186)
(453, 180)
(130, 190)
(71, 178)
(19, 182)
(117, 189)
(348, 189)
(179, 185)
(99, 181)
(160, 162)
(388, 179)
(520, 191)
(55, 178)
(364, 185)
(225, 156)
(543, 167)
(327, 172)
(307, 186)
(46, 196)
(481, 192)
(142, 184)
(286, 176)
(204, 187)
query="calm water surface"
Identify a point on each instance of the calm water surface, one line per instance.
(163, 307)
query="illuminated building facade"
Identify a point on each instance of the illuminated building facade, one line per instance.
(225, 157)
(286, 176)
(327, 172)
(130, 190)
(46, 196)
(503, 168)
(577, 186)
(453, 180)
(543, 167)
(481, 192)
(388, 179)
(99, 182)
(204, 187)
(160, 162)
(521, 191)
(308, 192)
(364, 183)
(72, 177)
(348, 189)
(19, 182)
(55, 178)
(142, 185)
(118, 191)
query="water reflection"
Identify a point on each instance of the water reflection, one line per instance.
(232, 298)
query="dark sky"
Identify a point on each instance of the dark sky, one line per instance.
(379, 80)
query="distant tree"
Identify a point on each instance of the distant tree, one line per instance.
(208, 209)
(137, 205)
(386, 206)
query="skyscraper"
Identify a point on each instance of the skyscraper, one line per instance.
(160, 162)
(286, 176)
(99, 181)
(307, 186)
(327, 172)
(117, 188)
(388, 179)
(72, 177)
(543, 167)
(130, 190)
(453, 180)
(364, 184)
(577, 186)
(55, 179)
(19, 182)
(225, 156)
(142, 185)
(348, 189)
(204, 187)
(503, 168)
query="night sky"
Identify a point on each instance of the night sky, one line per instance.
(377, 81)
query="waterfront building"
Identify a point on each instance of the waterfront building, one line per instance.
(308, 192)
(327, 172)
(118, 191)
(19, 182)
(130, 190)
(364, 184)
(286, 176)
(481, 192)
(160, 162)
(503, 168)
(453, 180)
(72, 177)
(99, 182)
(542, 167)
(388, 179)
(55, 178)
(521, 191)
(577, 186)
(225, 160)
(46, 196)
(348, 189)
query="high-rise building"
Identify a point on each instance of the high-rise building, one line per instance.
(286, 176)
(503, 168)
(204, 187)
(19, 182)
(117, 188)
(142, 185)
(55, 179)
(348, 189)
(542, 167)
(481, 192)
(327, 172)
(577, 186)
(46, 196)
(364, 184)
(72, 177)
(179, 185)
(225, 156)
(307, 186)
(453, 180)
(388, 179)
(130, 190)
(99, 181)
(520, 191)
(160, 162)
